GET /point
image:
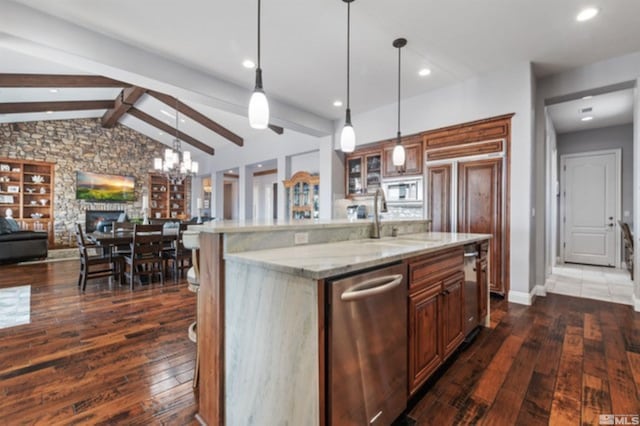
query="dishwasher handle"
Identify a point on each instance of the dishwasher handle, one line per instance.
(371, 287)
(471, 254)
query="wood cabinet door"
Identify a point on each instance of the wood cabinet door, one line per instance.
(355, 183)
(412, 163)
(425, 352)
(452, 313)
(480, 209)
(481, 271)
(439, 197)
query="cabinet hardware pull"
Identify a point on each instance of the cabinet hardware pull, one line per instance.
(371, 287)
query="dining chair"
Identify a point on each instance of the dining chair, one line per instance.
(94, 262)
(146, 254)
(178, 254)
(628, 245)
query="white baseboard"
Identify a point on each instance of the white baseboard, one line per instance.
(540, 290)
(522, 298)
(636, 302)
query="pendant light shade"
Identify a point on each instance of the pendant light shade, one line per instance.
(258, 104)
(348, 136)
(398, 151)
(398, 155)
(259, 110)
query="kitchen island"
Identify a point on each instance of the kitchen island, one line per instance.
(262, 317)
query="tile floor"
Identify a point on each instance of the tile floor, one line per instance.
(591, 282)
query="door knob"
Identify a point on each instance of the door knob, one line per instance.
(610, 225)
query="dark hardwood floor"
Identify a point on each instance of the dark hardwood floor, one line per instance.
(563, 361)
(109, 356)
(113, 356)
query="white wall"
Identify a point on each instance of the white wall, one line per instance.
(307, 162)
(263, 195)
(504, 91)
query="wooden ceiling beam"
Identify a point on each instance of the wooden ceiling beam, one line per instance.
(279, 130)
(125, 101)
(198, 117)
(26, 107)
(161, 125)
(58, 80)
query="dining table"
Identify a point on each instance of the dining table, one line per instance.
(109, 242)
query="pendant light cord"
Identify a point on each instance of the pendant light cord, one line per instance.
(177, 138)
(399, 53)
(348, 52)
(259, 34)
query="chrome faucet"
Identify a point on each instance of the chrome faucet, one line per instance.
(375, 232)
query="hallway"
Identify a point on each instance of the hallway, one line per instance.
(591, 282)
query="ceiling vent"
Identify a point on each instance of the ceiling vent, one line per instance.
(586, 110)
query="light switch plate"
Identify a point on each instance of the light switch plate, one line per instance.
(301, 238)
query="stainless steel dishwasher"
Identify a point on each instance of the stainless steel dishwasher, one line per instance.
(367, 347)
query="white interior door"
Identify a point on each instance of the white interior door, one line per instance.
(591, 197)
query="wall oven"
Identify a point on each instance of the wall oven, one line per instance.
(405, 190)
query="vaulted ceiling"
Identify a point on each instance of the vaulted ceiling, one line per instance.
(195, 51)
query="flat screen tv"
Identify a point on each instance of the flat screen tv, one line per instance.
(104, 188)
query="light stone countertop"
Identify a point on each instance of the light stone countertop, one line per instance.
(251, 225)
(319, 261)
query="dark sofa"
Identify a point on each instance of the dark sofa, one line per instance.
(17, 245)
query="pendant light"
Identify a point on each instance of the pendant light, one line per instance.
(348, 136)
(398, 150)
(258, 105)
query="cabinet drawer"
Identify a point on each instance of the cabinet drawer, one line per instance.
(429, 269)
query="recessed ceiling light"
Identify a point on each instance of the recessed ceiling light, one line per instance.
(587, 118)
(587, 97)
(49, 112)
(259, 165)
(160, 133)
(337, 103)
(586, 14)
(182, 120)
(53, 90)
(424, 72)
(248, 63)
(229, 171)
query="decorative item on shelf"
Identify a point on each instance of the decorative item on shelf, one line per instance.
(16, 170)
(13, 188)
(30, 190)
(4, 179)
(158, 215)
(8, 213)
(145, 209)
(43, 190)
(258, 104)
(176, 164)
(199, 208)
(33, 202)
(348, 135)
(398, 150)
(37, 179)
(5, 168)
(44, 201)
(36, 215)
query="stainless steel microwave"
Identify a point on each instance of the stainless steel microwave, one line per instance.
(407, 190)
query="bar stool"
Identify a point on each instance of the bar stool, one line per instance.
(193, 281)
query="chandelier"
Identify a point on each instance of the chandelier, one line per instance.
(176, 164)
